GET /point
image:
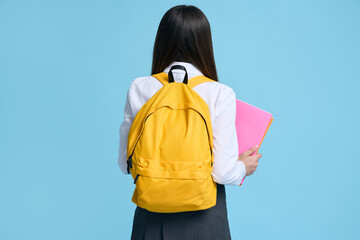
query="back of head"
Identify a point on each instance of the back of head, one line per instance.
(184, 35)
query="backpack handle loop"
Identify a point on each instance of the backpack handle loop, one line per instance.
(171, 77)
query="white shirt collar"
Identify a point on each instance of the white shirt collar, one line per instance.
(190, 68)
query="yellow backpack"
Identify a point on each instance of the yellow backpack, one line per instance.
(170, 149)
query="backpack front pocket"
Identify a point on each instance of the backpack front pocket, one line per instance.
(163, 186)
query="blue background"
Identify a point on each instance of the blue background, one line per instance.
(65, 67)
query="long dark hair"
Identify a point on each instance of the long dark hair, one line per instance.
(184, 35)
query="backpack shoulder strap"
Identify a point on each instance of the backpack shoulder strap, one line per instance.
(163, 78)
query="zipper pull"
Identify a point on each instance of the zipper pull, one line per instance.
(129, 163)
(136, 178)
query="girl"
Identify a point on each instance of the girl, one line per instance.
(184, 38)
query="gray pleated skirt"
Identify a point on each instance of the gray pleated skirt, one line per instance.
(209, 224)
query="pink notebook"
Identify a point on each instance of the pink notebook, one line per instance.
(252, 124)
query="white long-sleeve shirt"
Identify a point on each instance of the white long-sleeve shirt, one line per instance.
(221, 99)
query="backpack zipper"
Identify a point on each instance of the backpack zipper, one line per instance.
(129, 160)
(136, 178)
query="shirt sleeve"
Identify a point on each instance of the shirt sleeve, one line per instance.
(227, 169)
(124, 132)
